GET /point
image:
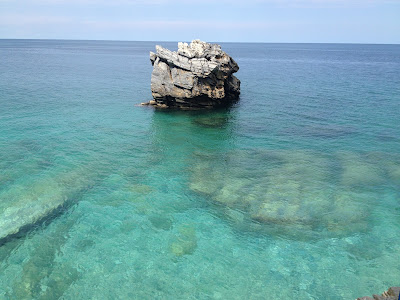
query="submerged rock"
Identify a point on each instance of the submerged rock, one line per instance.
(26, 205)
(185, 242)
(391, 294)
(328, 193)
(197, 76)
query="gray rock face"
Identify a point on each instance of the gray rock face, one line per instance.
(197, 76)
(391, 294)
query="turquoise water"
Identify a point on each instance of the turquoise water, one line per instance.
(293, 193)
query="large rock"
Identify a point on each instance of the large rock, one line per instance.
(198, 75)
(391, 294)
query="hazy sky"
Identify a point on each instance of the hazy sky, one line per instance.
(347, 21)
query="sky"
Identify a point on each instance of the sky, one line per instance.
(308, 21)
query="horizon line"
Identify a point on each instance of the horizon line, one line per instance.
(175, 41)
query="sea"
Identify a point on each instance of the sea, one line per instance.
(293, 192)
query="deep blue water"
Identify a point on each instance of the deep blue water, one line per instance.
(292, 193)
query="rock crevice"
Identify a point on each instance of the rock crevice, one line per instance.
(199, 75)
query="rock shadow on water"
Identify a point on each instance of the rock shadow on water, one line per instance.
(213, 120)
(216, 118)
(176, 134)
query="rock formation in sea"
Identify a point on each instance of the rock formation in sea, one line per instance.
(391, 294)
(199, 75)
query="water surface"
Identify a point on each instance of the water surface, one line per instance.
(292, 193)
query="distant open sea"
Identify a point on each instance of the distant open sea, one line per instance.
(291, 193)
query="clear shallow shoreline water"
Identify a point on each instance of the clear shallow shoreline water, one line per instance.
(293, 192)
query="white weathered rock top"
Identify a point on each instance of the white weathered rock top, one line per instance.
(198, 57)
(197, 49)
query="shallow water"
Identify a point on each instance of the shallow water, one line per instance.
(294, 192)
